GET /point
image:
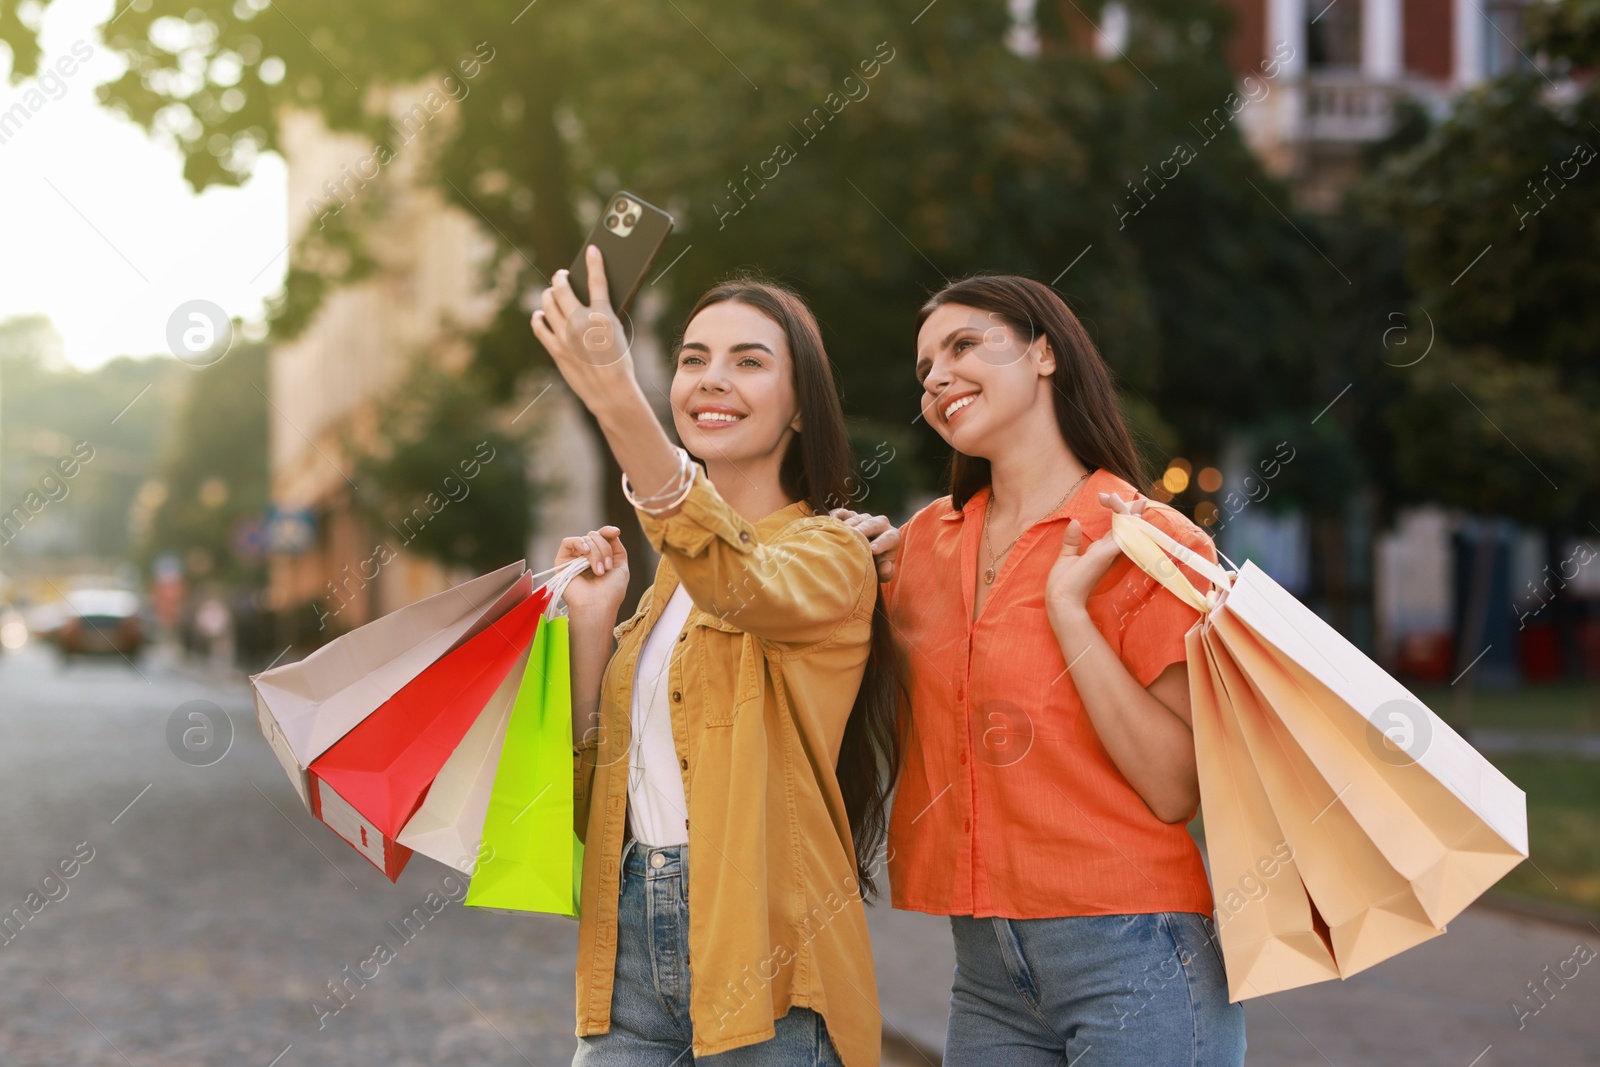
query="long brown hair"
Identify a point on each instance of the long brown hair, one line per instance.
(816, 468)
(1086, 408)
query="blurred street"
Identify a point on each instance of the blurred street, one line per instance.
(1443, 1004)
(214, 911)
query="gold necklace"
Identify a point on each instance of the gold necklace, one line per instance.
(988, 575)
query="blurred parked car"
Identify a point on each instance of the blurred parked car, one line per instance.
(43, 620)
(101, 621)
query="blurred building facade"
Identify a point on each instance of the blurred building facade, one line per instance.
(1347, 69)
(1323, 81)
(1320, 82)
(329, 383)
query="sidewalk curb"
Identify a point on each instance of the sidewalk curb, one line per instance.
(902, 1047)
(1546, 911)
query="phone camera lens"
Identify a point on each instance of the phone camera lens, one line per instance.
(612, 222)
(630, 220)
(622, 206)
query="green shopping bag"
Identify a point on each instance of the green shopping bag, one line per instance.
(531, 859)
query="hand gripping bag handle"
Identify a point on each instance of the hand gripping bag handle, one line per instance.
(557, 584)
(1152, 550)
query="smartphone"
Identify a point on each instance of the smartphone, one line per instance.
(628, 233)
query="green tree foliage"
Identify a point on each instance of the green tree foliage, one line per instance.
(214, 470)
(866, 153)
(48, 412)
(1498, 213)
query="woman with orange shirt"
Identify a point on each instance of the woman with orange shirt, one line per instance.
(1050, 767)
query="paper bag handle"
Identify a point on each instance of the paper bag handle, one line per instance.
(558, 584)
(1152, 549)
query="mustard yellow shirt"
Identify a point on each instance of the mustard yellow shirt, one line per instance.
(774, 650)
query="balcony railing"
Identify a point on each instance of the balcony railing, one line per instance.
(1347, 108)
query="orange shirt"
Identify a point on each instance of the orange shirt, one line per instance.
(1008, 804)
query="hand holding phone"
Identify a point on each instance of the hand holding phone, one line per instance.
(629, 234)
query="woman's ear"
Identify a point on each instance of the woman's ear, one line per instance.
(1047, 358)
(794, 424)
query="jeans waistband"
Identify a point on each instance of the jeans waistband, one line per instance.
(667, 861)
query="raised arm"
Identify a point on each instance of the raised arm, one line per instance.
(592, 353)
(796, 587)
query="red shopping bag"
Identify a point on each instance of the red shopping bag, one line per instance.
(371, 781)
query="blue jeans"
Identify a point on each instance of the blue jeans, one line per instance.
(1139, 990)
(650, 995)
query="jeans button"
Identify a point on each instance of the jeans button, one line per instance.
(658, 861)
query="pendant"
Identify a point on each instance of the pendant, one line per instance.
(988, 576)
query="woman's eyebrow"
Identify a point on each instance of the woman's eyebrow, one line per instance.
(696, 345)
(923, 366)
(746, 346)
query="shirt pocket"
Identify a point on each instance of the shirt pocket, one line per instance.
(1026, 695)
(729, 666)
(627, 626)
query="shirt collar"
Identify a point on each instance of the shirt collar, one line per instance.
(1099, 481)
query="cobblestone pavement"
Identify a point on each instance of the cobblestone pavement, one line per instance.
(214, 910)
(206, 912)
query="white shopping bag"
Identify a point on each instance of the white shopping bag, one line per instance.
(306, 706)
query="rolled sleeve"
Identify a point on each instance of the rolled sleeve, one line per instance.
(795, 586)
(703, 517)
(1153, 628)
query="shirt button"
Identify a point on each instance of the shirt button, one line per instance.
(966, 827)
(684, 764)
(684, 636)
(744, 535)
(658, 861)
(963, 757)
(677, 695)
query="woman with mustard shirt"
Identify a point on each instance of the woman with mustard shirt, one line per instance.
(729, 791)
(1049, 769)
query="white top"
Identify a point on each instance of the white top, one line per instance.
(658, 813)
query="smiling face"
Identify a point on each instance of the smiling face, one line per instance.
(982, 383)
(733, 396)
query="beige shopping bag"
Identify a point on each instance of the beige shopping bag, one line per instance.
(1269, 933)
(1445, 817)
(1388, 842)
(1370, 910)
(306, 706)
